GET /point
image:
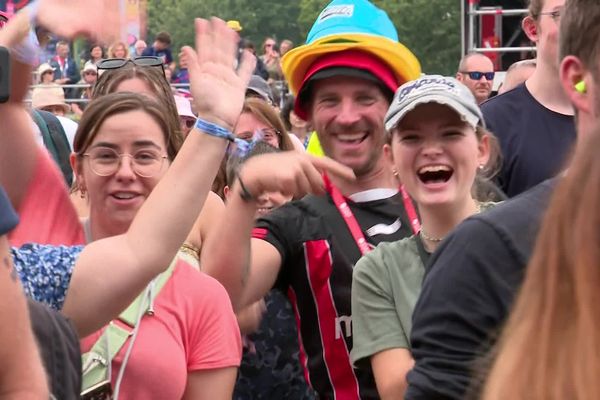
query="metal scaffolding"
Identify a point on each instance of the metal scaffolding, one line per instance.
(471, 27)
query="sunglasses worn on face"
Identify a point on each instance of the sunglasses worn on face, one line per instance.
(476, 75)
(142, 61)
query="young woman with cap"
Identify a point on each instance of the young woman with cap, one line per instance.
(438, 145)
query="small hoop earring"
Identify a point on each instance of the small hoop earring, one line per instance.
(394, 172)
(82, 192)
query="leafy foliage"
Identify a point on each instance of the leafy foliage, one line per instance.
(430, 28)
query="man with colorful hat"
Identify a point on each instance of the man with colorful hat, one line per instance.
(344, 78)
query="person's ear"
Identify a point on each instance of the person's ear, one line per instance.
(459, 77)
(226, 192)
(76, 166)
(388, 156)
(484, 150)
(576, 80)
(530, 27)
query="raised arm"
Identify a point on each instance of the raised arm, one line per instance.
(21, 372)
(67, 19)
(248, 267)
(110, 272)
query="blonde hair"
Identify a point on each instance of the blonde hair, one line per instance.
(550, 347)
(112, 48)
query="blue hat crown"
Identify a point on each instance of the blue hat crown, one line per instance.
(352, 17)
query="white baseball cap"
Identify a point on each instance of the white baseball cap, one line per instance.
(434, 89)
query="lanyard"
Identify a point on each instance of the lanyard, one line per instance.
(352, 223)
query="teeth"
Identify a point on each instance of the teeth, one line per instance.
(124, 196)
(434, 168)
(350, 138)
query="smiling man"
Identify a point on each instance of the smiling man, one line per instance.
(476, 71)
(344, 79)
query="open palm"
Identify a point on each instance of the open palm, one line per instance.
(217, 87)
(98, 19)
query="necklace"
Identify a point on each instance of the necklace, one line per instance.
(439, 239)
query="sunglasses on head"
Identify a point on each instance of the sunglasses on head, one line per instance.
(142, 61)
(476, 75)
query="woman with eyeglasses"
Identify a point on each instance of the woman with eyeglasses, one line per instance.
(259, 119)
(125, 144)
(438, 145)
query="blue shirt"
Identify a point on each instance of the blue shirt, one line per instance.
(164, 54)
(45, 271)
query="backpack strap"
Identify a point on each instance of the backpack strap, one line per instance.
(55, 141)
(96, 362)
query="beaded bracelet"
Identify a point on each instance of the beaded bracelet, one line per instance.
(214, 130)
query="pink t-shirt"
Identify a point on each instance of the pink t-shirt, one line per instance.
(193, 328)
(46, 213)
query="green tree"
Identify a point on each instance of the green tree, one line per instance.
(430, 29)
(259, 18)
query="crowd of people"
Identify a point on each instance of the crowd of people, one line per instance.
(376, 233)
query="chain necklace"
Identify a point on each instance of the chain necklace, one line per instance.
(439, 239)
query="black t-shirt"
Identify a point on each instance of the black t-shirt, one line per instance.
(8, 217)
(318, 254)
(467, 293)
(534, 140)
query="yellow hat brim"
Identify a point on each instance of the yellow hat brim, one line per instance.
(401, 60)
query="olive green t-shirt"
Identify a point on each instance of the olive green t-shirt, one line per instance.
(386, 284)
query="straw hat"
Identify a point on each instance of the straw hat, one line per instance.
(45, 67)
(53, 95)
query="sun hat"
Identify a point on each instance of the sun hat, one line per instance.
(90, 66)
(184, 107)
(259, 86)
(434, 89)
(350, 25)
(235, 25)
(49, 95)
(45, 67)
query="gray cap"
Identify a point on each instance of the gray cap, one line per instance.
(434, 89)
(259, 86)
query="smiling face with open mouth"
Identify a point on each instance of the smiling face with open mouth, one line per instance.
(348, 115)
(437, 155)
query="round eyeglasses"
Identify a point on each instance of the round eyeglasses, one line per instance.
(105, 161)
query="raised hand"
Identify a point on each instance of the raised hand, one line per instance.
(218, 89)
(291, 173)
(97, 19)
